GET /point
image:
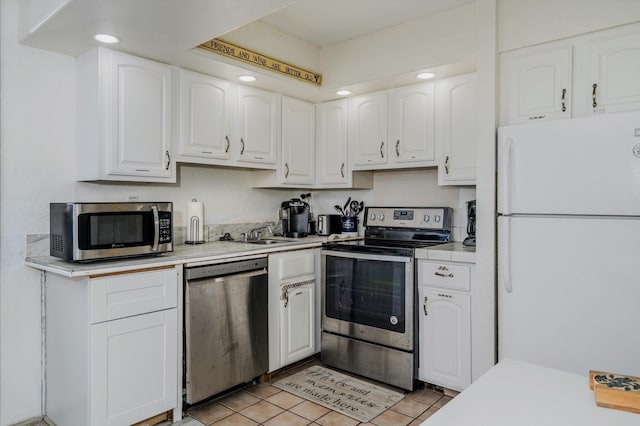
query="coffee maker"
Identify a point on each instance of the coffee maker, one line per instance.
(295, 218)
(470, 241)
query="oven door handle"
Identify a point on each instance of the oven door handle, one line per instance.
(367, 256)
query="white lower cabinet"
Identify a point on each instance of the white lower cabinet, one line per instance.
(293, 314)
(444, 324)
(297, 323)
(112, 347)
(445, 338)
(133, 370)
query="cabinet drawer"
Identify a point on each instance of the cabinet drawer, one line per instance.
(120, 296)
(295, 264)
(446, 275)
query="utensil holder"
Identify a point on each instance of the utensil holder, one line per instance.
(349, 225)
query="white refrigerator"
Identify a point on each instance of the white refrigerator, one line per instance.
(569, 243)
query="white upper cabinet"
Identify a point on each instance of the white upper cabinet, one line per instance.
(456, 130)
(590, 74)
(613, 66)
(411, 124)
(536, 83)
(124, 118)
(258, 127)
(206, 113)
(332, 167)
(368, 129)
(298, 149)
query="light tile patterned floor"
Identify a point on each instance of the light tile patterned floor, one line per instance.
(263, 404)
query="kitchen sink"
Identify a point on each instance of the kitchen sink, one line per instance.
(265, 241)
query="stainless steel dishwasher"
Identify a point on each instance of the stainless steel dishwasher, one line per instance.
(226, 326)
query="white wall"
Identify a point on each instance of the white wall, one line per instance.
(528, 22)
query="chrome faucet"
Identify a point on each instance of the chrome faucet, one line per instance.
(254, 234)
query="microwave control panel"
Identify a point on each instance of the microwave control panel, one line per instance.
(165, 227)
(438, 218)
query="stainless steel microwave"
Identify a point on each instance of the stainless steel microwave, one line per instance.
(94, 231)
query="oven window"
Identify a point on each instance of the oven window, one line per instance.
(367, 292)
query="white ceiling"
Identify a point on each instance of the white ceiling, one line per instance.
(326, 22)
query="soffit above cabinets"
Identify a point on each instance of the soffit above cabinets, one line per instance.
(163, 30)
(169, 31)
(328, 22)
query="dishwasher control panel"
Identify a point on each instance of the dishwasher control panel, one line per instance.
(222, 269)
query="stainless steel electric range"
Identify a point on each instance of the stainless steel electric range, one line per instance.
(368, 293)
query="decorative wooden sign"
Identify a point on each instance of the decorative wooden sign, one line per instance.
(229, 50)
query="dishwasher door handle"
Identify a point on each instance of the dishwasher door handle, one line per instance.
(210, 278)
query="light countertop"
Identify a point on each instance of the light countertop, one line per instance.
(450, 252)
(210, 252)
(523, 394)
(217, 251)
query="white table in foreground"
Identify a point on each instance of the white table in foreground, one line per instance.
(515, 393)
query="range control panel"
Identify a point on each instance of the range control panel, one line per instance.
(409, 217)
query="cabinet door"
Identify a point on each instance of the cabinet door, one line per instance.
(259, 126)
(134, 368)
(411, 123)
(138, 110)
(445, 338)
(536, 84)
(298, 323)
(614, 67)
(206, 117)
(298, 148)
(331, 143)
(456, 129)
(368, 129)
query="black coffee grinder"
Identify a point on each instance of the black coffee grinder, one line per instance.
(470, 241)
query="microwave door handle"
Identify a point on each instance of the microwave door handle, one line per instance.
(156, 228)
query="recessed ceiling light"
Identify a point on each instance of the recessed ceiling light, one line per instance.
(425, 75)
(106, 38)
(247, 78)
(343, 92)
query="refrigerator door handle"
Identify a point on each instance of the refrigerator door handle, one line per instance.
(504, 164)
(504, 247)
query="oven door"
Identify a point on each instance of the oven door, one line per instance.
(368, 297)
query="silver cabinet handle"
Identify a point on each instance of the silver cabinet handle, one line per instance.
(342, 170)
(286, 168)
(424, 306)
(168, 160)
(593, 95)
(381, 147)
(242, 148)
(227, 145)
(564, 105)
(446, 165)
(397, 148)
(440, 274)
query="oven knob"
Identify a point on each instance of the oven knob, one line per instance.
(373, 216)
(436, 218)
(426, 218)
(381, 217)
